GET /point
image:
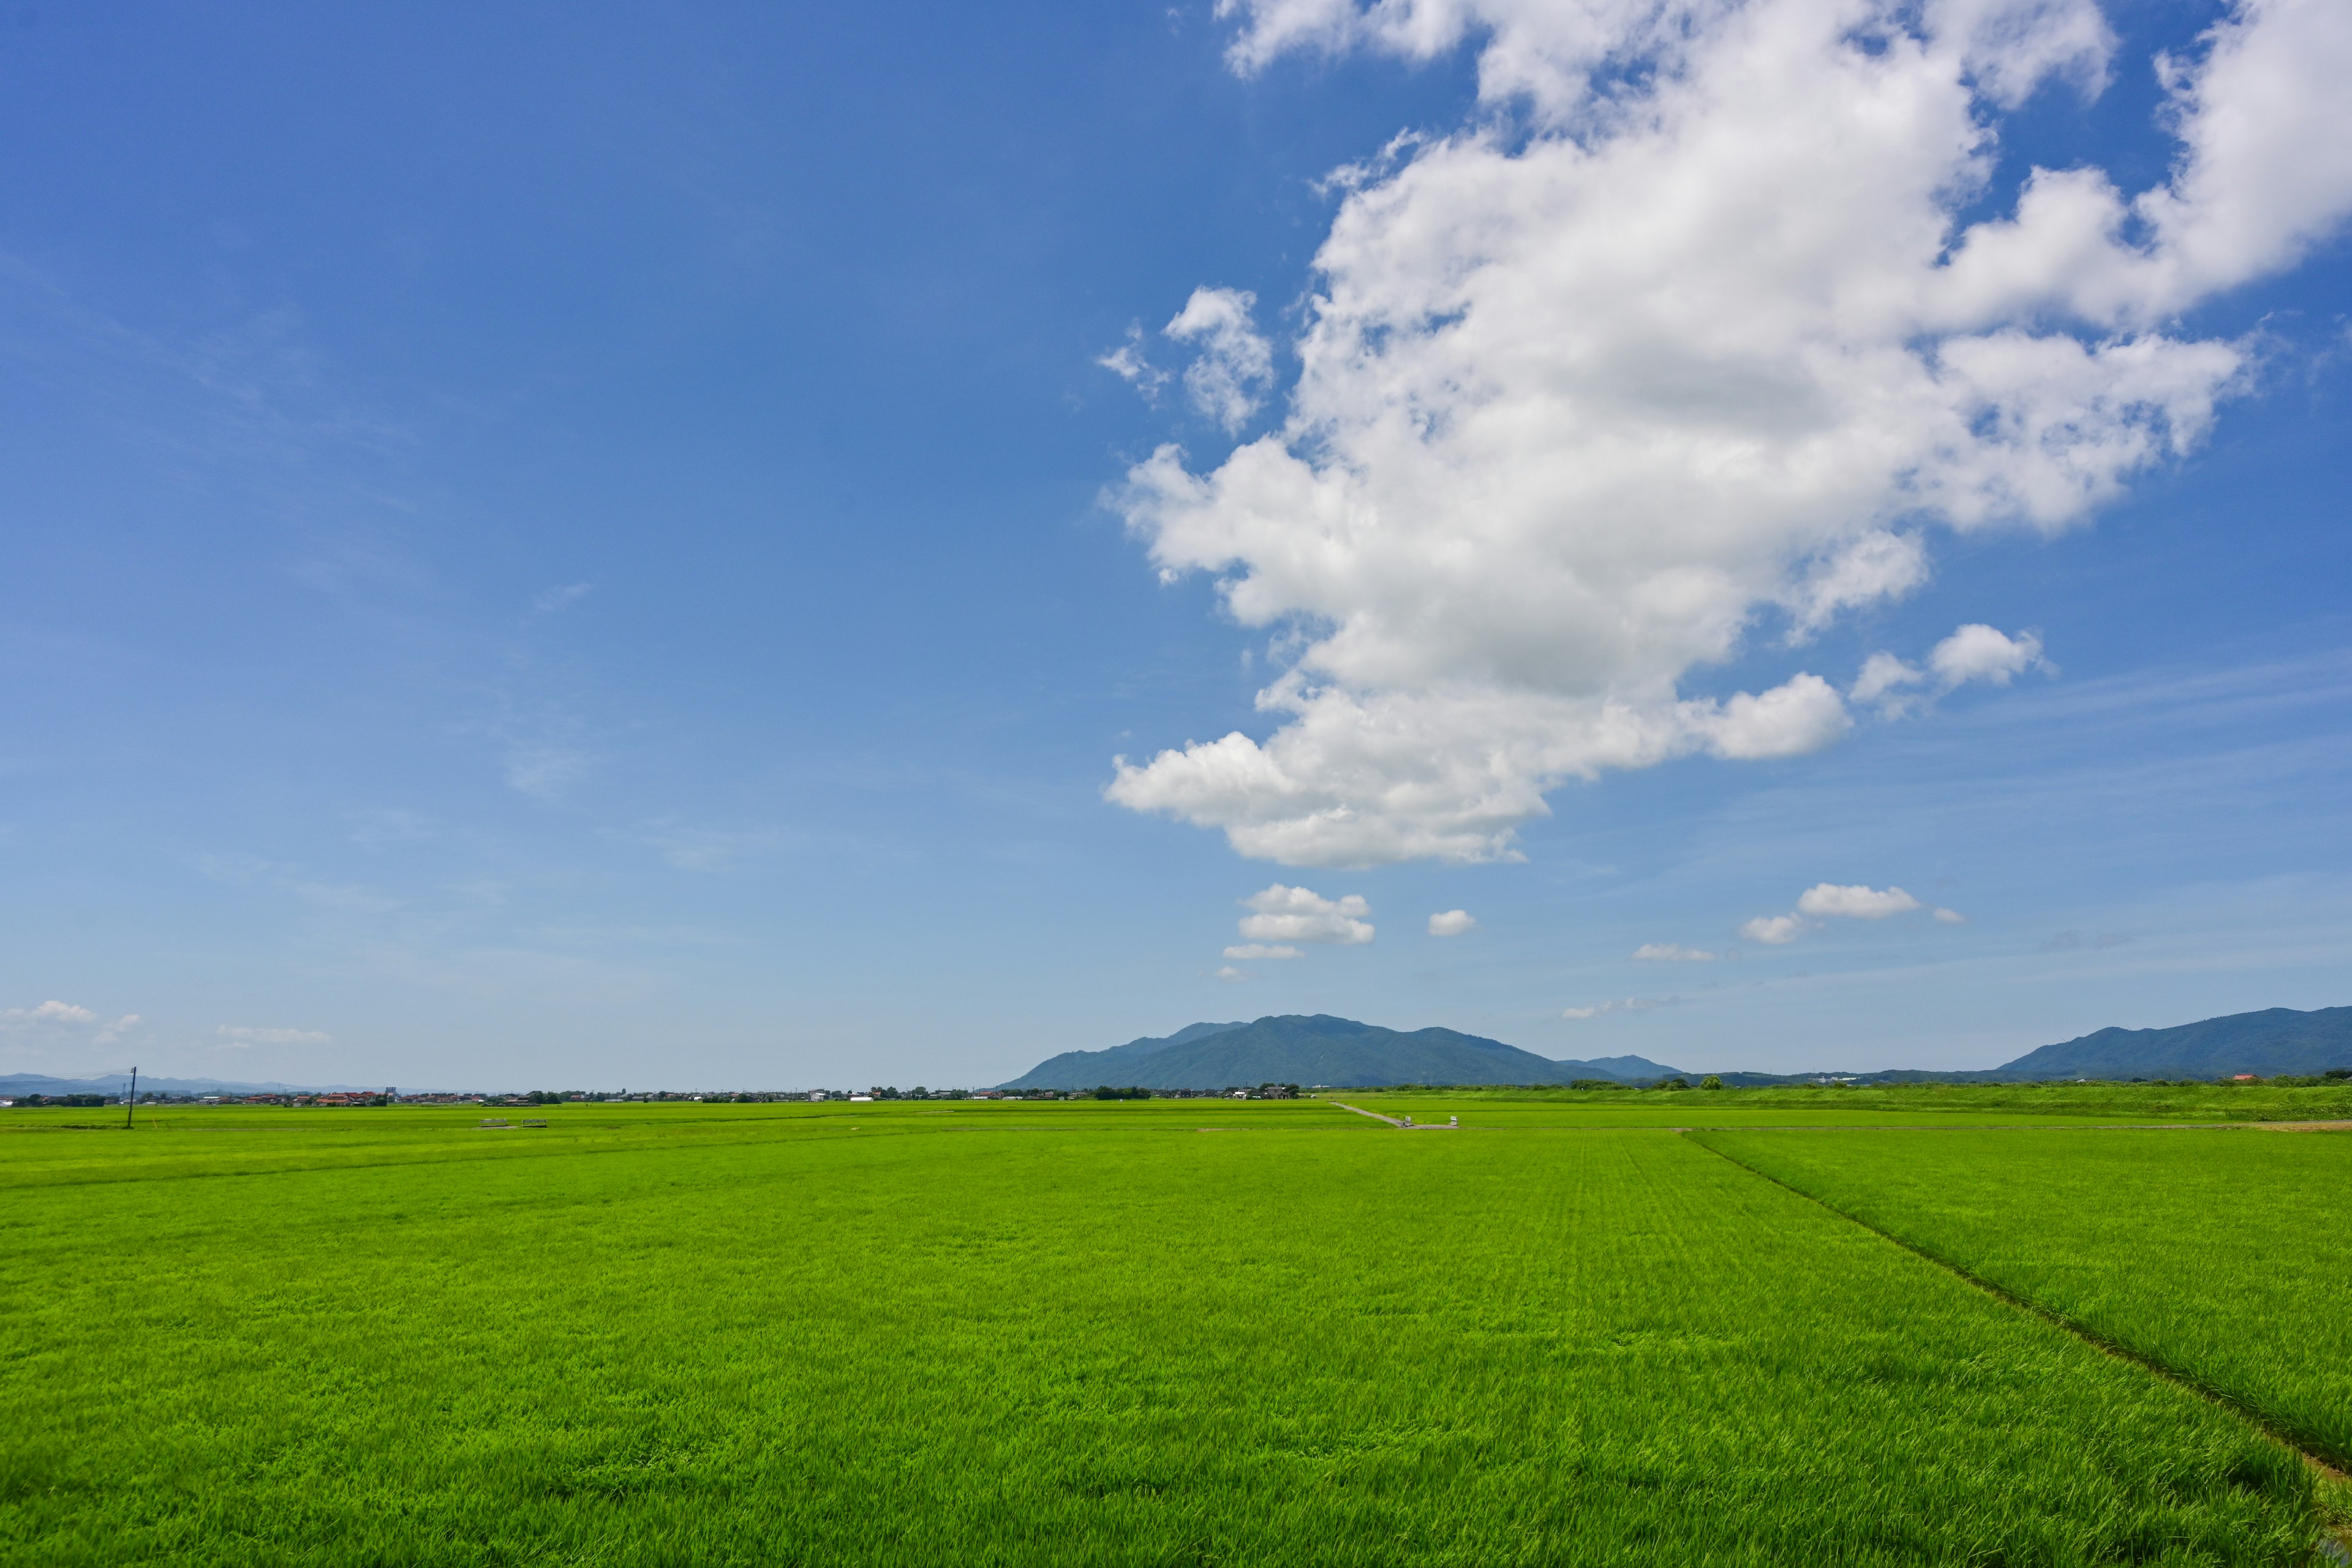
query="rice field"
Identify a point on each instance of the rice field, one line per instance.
(2224, 1257)
(1145, 1332)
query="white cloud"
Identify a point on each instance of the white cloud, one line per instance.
(1973, 652)
(1230, 378)
(1876, 566)
(1672, 952)
(1299, 914)
(1590, 397)
(1452, 922)
(1882, 681)
(1856, 902)
(53, 1014)
(1773, 930)
(1127, 361)
(1230, 973)
(241, 1035)
(1260, 949)
(1622, 1005)
(1979, 653)
(1833, 900)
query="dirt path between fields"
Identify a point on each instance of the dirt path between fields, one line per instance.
(2334, 1544)
(1402, 1124)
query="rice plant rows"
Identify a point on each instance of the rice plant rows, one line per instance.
(2224, 1257)
(1092, 1341)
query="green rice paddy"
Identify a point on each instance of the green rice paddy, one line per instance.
(1186, 1332)
(2225, 1258)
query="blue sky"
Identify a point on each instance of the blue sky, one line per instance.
(598, 546)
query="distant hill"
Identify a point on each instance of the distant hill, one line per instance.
(2277, 1041)
(1298, 1049)
(1064, 1070)
(16, 1086)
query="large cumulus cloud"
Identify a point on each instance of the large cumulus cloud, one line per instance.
(1588, 393)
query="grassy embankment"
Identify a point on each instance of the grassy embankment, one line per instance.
(1051, 1333)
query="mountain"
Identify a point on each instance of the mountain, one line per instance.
(1183, 1037)
(1095, 1067)
(2276, 1041)
(1321, 1050)
(15, 1086)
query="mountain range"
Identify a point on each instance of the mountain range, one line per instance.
(1343, 1053)
(2275, 1041)
(1318, 1049)
(16, 1085)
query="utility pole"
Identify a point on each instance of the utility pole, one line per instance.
(130, 1100)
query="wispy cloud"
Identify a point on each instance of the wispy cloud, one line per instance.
(241, 1035)
(1622, 1005)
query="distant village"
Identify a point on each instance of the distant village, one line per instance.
(391, 1096)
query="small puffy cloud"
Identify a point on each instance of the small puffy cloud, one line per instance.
(1973, 652)
(1235, 369)
(1672, 952)
(1978, 652)
(1833, 900)
(1452, 922)
(1127, 362)
(1773, 930)
(1857, 902)
(243, 1034)
(1230, 973)
(1622, 1005)
(1300, 914)
(1248, 950)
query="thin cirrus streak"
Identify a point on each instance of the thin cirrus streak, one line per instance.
(1588, 396)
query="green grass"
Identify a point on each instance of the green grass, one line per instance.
(1694, 1110)
(179, 1142)
(1948, 1103)
(2225, 1256)
(1034, 1334)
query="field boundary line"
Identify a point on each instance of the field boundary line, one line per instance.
(2082, 1331)
(1373, 1114)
